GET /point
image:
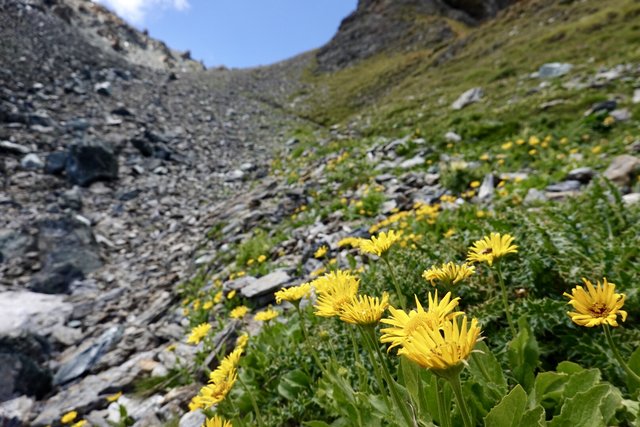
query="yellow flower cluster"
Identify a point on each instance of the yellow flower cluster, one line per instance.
(334, 289)
(220, 382)
(321, 252)
(449, 273)
(239, 312)
(216, 421)
(432, 338)
(198, 333)
(380, 244)
(293, 294)
(364, 310)
(266, 315)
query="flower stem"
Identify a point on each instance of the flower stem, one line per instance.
(310, 348)
(362, 373)
(616, 354)
(256, 409)
(454, 380)
(376, 369)
(505, 301)
(444, 416)
(395, 393)
(392, 272)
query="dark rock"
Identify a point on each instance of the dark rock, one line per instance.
(103, 88)
(91, 161)
(55, 163)
(563, 186)
(40, 118)
(21, 367)
(122, 111)
(584, 175)
(143, 146)
(85, 359)
(56, 280)
(79, 125)
(602, 106)
(129, 195)
(67, 241)
(15, 243)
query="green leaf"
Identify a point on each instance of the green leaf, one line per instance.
(292, 383)
(583, 409)
(534, 417)
(316, 424)
(509, 412)
(548, 389)
(568, 367)
(634, 365)
(523, 355)
(580, 382)
(484, 366)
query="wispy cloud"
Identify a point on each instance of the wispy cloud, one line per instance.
(135, 11)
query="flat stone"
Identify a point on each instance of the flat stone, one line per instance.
(486, 190)
(32, 312)
(413, 162)
(31, 162)
(554, 69)
(570, 185)
(192, 419)
(621, 114)
(16, 409)
(622, 169)
(636, 96)
(631, 198)
(469, 97)
(534, 195)
(452, 137)
(10, 147)
(266, 284)
(584, 175)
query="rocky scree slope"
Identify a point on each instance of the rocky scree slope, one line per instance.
(112, 159)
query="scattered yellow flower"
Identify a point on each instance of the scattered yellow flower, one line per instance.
(250, 261)
(448, 273)
(520, 142)
(404, 324)
(364, 310)
(69, 417)
(534, 140)
(239, 312)
(597, 305)
(380, 244)
(322, 251)
(507, 145)
(262, 258)
(491, 248)
(242, 341)
(294, 293)
(597, 149)
(231, 294)
(216, 421)
(80, 423)
(449, 233)
(207, 305)
(484, 157)
(608, 121)
(198, 333)
(218, 297)
(474, 184)
(266, 315)
(114, 397)
(444, 347)
(533, 152)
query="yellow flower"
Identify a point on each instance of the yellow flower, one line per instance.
(80, 423)
(266, 315)
(69, 417)
(294, 293)
(198, 333)
(114, 397)
(507, 145)
(242, 341)
(404, 324)
(474, 184)
(207, 305)
(217, 297)
(231, 294)
(491, 248)
(171, 347)
(534, 140)
(262, 258)
(334, 289)
(484, 157)
(444, 347)
(533, 152)
(597, 305)
(250, 261)
(322, 251)
(215, 392)
(216, 421)
(608, 121)
(364, 310)
(354, 242)
(448, 273)
(379, 245)
(239, 312)
(520, 141)
(449, 233)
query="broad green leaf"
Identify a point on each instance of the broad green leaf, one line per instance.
(484, 366)
(534, 417)
(581, 381)
(316, 424)
(548, 389)
(634, 364)
(508, 413)
(583, 409)
(568, 367)
(523, 355)
(610, 404)
(416, 379)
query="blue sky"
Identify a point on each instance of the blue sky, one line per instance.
(237, 33)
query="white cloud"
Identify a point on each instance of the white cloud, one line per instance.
(136, 10)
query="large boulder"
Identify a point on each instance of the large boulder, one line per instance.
(90, 161)
(21, 367)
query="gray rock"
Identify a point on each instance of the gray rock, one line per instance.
(67, 240)
(631, 198)
(413, 162)
(534, 195)
(621, 114)
(452, 137)
(32, 312)
(192, 419)
(469, 97)
(265, 286)
(564, 186)
(22, 368)
(91, 161)
(16, 410)
(10, 147)
(636, 96)
(31, 162)
(103, 88)
(234, 175)
(72, 199)
(486, 190)
(55, 163)
(15, 243)
(584, 175)
(554, 69)
(56, 279)
(622, 169)
(85, 359)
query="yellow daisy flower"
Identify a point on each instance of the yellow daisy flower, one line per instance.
(239, 312)
(262, 258)
(242, 341)
(442, 348)
(354, 242)
(231, 294)
(114, 397)
(216, 421)
(491, 248)
(322, 251)
(448, 273)
(266, 315)
(334, 290)
(404, 324)
(198, 333)
(69, 417)
(294, 293)
(207, 305)
(380, 244)
(364, 310)
(334, 278)
(597, 305)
